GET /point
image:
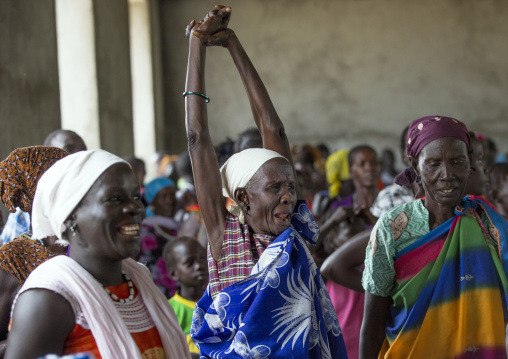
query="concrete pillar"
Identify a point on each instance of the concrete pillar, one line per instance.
(143, 90)
(79, 99)
(94, 69)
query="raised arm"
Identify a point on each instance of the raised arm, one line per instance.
(205, 166)
(266, 118)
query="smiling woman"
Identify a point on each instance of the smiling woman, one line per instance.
(434, 280)
(97, 299)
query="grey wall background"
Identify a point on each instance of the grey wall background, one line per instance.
(348, 72)
(29, 90)
(343, 72)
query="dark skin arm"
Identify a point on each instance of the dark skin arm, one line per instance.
(205, 166)
(44, 326)
(375, 317)
(10, 286)
(340, 214)
(341, 265)
(265, 116)
(263, 111)
(212, 32)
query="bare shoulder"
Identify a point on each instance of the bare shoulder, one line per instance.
(42, 318)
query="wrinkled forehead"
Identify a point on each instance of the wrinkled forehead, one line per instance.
(275, 167)
(445, 147)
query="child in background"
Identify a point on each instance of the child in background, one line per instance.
(498, 177)
(186, 261)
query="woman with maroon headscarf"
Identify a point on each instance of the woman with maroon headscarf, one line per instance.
(434, 280)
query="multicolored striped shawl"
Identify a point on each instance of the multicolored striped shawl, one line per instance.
(282, 310)
(450, 296)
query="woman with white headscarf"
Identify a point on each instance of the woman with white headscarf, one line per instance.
(266, 297)
(97, 299)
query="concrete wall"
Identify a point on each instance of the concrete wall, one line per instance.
(343, 72)
(29, 91)
(348, 72)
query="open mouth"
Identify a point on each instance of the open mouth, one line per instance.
(130, 229)
(285, 217)
(450, 190)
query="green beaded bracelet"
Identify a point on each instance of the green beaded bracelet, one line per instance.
(207, 99)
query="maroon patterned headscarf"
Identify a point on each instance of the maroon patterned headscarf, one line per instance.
(425, 130)
(20, 172)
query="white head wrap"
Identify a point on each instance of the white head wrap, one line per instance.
(63, 186)
(240, 168)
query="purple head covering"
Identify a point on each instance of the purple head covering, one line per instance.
(425, 130)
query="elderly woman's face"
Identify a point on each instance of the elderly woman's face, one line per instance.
(109, 216)
(272, 197)
(444, 168)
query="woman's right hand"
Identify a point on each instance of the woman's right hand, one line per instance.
(212, 30)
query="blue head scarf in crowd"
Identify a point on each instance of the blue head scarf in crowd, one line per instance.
(152, 188)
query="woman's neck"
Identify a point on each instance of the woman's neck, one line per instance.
(106, 272)
(192, 293)
(438, 214)
(365, 196)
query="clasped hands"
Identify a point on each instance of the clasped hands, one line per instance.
(213, 29)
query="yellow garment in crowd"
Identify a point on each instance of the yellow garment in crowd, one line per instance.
(337, 171)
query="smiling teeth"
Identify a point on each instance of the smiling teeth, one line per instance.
(131, 230)
(447, 190)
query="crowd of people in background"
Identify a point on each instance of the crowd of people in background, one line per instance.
(256, 247)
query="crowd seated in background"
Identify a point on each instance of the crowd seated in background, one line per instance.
(18, 222)
(19, 174)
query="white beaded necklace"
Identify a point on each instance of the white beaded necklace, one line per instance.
(131, 291)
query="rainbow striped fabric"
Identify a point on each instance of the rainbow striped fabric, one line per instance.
(450, 296)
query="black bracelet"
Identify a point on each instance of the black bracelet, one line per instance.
(207, 99)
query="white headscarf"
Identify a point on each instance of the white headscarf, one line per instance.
(240, 168)
(63, 186)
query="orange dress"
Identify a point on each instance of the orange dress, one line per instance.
(138, 321)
